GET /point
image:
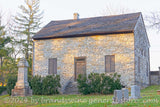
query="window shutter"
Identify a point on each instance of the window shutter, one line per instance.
(52, 66)
(107, 62)
(110, 63)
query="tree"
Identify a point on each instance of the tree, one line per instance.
(153, 20)
(16, 42)
(27, 23)
(115, 10)
(4, 51)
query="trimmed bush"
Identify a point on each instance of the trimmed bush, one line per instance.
(116, 82)
(29, 80)
(50, 84)
(98, 83)
(36, 84)
(45, 85)
(83, 85)
(2, 88)
(11, 81)
(40, 85)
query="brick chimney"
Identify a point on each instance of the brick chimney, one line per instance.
(76, 16)
(159, 68)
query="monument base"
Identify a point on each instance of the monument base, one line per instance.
(26, 91)
(134, 97)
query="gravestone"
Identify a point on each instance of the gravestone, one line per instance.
(117, 99)
(125, 94)
(22, 87)
(135, 92)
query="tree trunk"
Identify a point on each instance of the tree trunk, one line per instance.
(1, 62)
(2, 79)
(28, 43)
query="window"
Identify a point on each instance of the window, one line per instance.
(110, 63)
(52, 66)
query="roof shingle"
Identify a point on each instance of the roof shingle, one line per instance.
(124, 23)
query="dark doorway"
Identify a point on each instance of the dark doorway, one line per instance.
(80, 66)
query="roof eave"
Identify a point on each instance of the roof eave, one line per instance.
(82, 35)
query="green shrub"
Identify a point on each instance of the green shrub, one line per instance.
(105, 84)
(98, 83)
(45, 85)
(116, 84)
(50, 84)
(11, 81)
(94, 82)
(40, 85)
(36, 84)
(29, 79)
(2, 88)
(83, 86)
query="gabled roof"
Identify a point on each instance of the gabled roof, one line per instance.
(124, 23)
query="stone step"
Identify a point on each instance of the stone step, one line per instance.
(71, 88)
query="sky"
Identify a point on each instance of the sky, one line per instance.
(64, 9)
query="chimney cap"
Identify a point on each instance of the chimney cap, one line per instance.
(76, 16)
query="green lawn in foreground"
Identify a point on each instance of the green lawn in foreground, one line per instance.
(149, 99)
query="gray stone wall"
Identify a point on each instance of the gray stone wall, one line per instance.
(141, 54)
(155, 80)
(155, 77)
(94, 48)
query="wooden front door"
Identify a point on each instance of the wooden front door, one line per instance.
(80, 66)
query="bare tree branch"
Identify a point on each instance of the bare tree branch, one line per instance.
(115, 10)
(153, 20)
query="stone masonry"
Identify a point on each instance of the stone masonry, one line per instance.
(141, 46)
(94, 48)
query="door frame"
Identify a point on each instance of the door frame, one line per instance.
(75, 61)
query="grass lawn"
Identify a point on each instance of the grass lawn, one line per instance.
(149, 99)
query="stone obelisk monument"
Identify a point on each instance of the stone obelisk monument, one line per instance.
(22, 87)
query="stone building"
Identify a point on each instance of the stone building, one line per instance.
(155, 77)
(106, 44)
